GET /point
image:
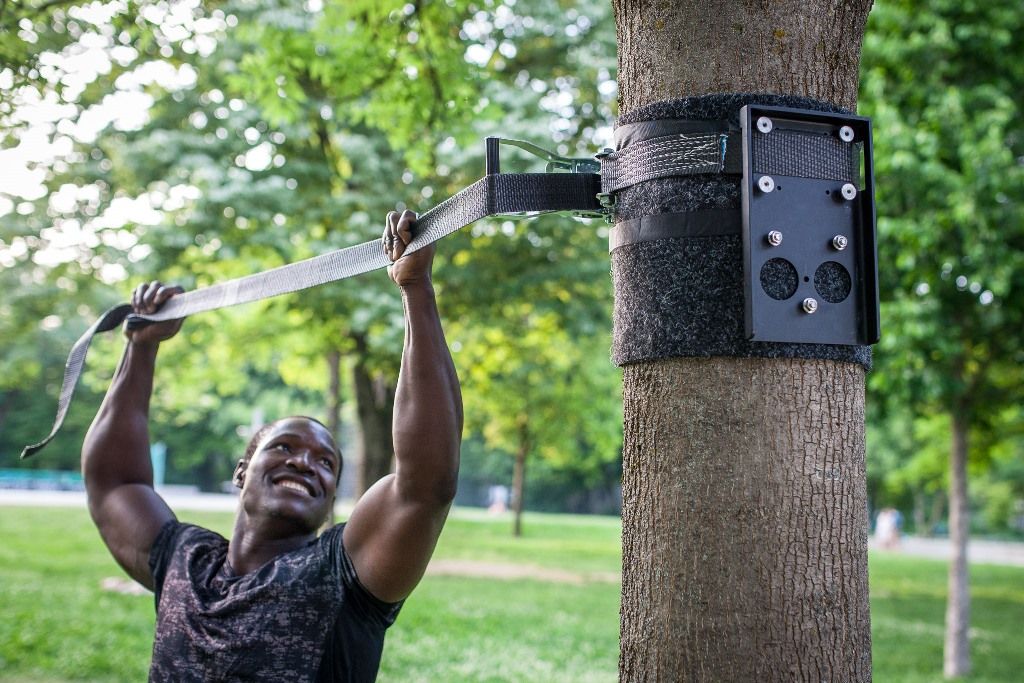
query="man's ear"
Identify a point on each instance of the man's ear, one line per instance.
(238, 478)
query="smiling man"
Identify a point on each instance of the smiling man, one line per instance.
(278, 602)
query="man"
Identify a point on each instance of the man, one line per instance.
(276, 602)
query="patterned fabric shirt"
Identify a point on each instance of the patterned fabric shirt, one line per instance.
(302, 616)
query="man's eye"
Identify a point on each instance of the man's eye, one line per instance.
(283, 446)
(328, 463)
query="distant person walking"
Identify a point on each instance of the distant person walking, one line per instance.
(887, 528)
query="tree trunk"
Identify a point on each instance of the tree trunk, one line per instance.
(935, 516)
(956, 659)
(744, 486)
(519, 482)
(375, 398)
(333, 406)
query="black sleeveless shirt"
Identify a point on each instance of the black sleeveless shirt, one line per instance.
(303, 616)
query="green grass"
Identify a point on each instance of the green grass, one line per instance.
(56, 624)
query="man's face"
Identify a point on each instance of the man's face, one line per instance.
(293, 473)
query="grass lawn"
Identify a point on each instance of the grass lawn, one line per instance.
(57, 624)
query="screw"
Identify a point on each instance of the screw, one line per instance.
(765, 183)
(839, 242)
(849, 191)
(846, 134)
(764, 124)
(809, 305)
(775, 238)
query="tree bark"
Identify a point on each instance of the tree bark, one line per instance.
(375, 398)
(679, 49)
(744, 486)
(519, 482)
(956, 660)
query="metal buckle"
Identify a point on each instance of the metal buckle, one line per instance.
(555, 163)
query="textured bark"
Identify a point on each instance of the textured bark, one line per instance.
(670, 49)
(744, 524)
(956, 660)
(744, 489)
(375, 398)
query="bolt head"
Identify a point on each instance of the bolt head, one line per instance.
(764, 124)
(809, 305)
(839, 242)
(765, 183)
(775, 238)
(846, 134)
(849, 191)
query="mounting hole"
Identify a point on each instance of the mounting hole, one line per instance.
(806, 279)
(779, 279)
(832, 282)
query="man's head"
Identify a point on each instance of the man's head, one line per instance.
(290, 470)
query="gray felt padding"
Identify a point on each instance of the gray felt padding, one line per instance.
(683, 297)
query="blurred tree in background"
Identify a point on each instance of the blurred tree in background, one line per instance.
(945, 84)
(269, 132)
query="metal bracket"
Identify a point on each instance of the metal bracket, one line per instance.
(809, 254)
(555, 164)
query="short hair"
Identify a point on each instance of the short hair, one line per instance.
(254, 442)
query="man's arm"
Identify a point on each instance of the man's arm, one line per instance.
(116, 463)
(393, 529)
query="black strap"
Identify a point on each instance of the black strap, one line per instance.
(706, 223)
(493, 194)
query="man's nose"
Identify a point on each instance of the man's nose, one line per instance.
(301, 459)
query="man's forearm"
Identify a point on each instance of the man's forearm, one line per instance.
(428, 403)
(116, 448)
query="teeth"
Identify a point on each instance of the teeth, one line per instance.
(293, 485)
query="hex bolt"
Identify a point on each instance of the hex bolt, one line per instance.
(775, 238)
(764, 124)
(849, 191)
(765, 184)
(809, 305)
(839, 242)
(846, 134)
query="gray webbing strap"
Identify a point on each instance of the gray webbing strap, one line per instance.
(671, 147)
(493, 194)
(666, 148)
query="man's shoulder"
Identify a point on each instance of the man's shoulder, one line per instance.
(175, 533)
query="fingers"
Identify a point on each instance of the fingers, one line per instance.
(405, 225)
(150, 297)
(397, 233)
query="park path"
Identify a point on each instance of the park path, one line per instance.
(980, 551)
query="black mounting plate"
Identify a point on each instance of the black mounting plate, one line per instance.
(809, 255)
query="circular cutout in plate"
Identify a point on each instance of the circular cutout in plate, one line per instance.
(779, 279)
(833, 282)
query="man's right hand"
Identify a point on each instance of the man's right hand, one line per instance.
(147, 299)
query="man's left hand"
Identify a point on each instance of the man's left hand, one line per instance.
(414, 268)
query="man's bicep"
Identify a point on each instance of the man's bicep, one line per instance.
(129, 517)
(390, 540)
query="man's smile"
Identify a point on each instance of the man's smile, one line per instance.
(296, 486)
